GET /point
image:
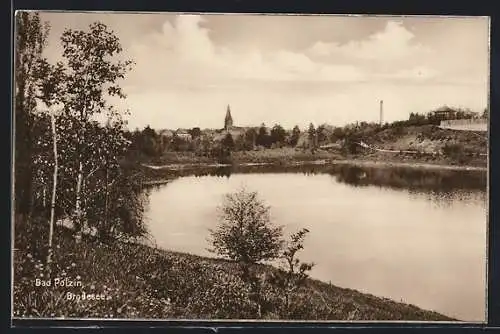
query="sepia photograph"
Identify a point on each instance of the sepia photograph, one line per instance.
(250, 167)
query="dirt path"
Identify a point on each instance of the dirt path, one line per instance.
(418, 165)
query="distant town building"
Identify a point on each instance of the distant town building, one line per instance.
(228, 121)
(183, 134)
(165, 136)
(229, 128)
(166, 133)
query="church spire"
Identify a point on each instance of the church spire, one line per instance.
(228, 121)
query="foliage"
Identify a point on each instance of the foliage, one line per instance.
(457, 152)
(311, 132)
(278, 135)
(90, 75)
(322, 134)
(93, 186)
(195, 132)
(312, 136)
(250, 138)
(245, 233)
(295, 136)
(486, 113)
(228, 142)
(294, 273)
(338, 134)
(350, 144)
(147, 142)
(263, 138)
(418, 119)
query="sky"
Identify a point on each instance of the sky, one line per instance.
(290, 69)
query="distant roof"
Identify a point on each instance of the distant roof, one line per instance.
(163, 132)
(440, 111)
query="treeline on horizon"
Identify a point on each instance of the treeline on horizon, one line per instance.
(153, 143)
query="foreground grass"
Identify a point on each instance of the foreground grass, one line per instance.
(138, 281)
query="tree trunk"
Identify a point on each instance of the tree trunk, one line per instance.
(287, 306)
(29, 173)
(78, 221)
(106, 204)
(20, 160)
(44, 197)
(54, 193)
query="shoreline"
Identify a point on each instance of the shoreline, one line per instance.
(320, 162)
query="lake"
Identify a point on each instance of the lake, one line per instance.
(413, 236)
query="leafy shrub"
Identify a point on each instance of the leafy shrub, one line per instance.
(245, 233)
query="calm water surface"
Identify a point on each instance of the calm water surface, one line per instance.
(422, 247)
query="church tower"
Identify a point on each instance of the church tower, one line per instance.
(228, 121)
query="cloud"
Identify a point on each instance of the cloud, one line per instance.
(394, 42)
(184, 54)
(184, 51)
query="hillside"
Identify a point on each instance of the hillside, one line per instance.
(428, 139)
(430, 143)
(153, 283)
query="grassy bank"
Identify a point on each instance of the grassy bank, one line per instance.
(285, 156)
(138, 281)
(290, 156)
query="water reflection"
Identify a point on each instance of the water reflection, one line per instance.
(225, 171)
(446, 199)
(411, 179)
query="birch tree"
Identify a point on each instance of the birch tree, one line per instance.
(48, 91)
(91, 76)
(36, 84)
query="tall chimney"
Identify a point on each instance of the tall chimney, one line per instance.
(381, 112)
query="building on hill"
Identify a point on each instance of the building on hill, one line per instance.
(444, 113)
(447, 113)
(228, 121)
